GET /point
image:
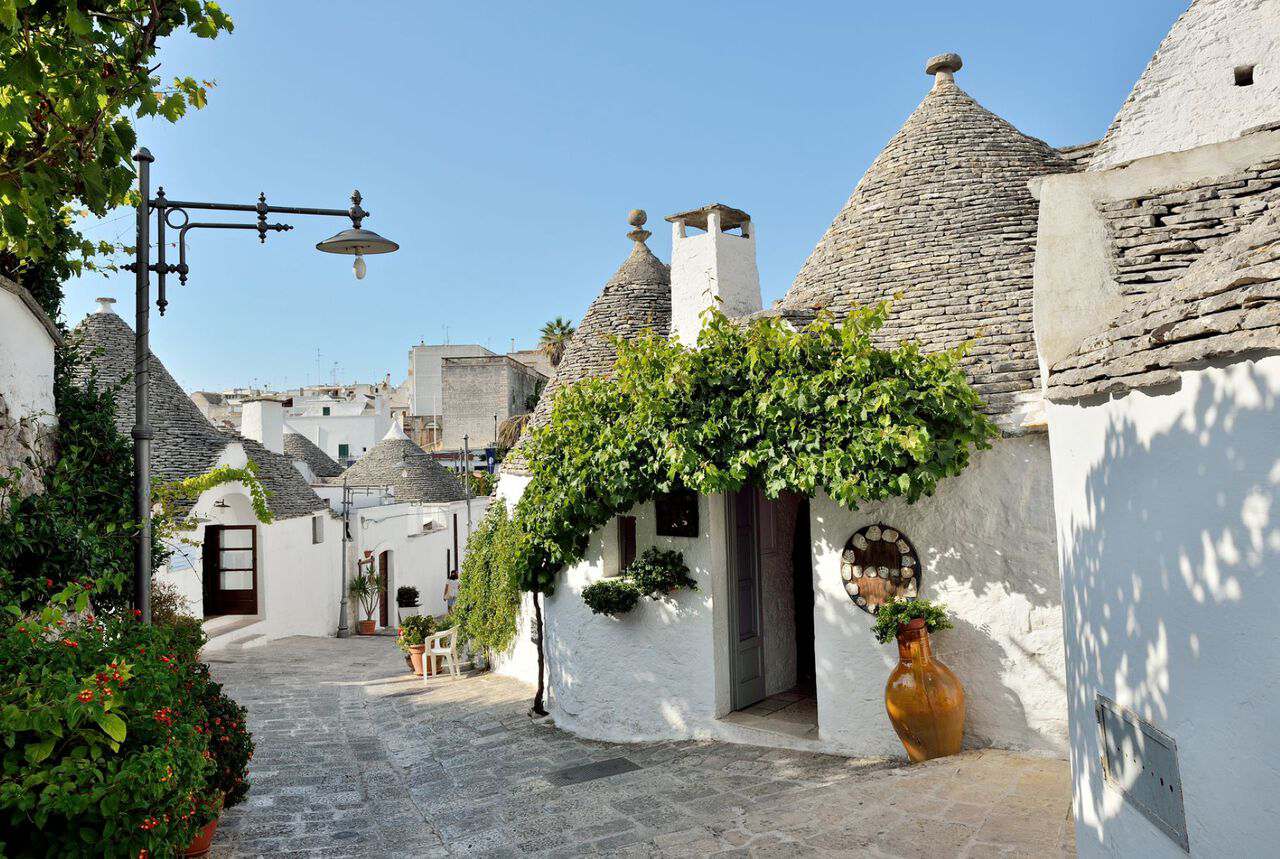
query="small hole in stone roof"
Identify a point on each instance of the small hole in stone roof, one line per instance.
(1244, 75)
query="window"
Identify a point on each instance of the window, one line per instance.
(324, 411)
(676, 513)
(317, 529)
(626, 542)
(1244, 75)
(344, 451)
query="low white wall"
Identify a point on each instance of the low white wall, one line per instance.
(986, 543)
(1167, 513)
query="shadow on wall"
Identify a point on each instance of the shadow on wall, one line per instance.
(1171, 587)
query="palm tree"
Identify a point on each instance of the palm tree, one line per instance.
(554, 337)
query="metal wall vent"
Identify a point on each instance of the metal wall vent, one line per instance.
(1141, 762)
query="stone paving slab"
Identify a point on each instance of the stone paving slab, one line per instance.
(356, 757)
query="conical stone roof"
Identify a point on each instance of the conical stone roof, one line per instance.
(185, 444)
(411, 472)
(635, 300)
(298, 446)
(943, 219)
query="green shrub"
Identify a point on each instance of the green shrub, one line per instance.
(415, 630)
(611, 596)
(102, 750)
(481, 483)
(898, 611)
(488, 604)
(658, 572)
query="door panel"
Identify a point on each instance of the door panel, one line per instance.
(747, 663)
(230, 569)
(383, 612)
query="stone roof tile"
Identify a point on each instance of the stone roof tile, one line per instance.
(413, 474)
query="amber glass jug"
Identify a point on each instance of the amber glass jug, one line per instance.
(924, 699)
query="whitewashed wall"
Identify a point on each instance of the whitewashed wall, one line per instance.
(299, 582)
(358, 432)
(26, 361)
(1168, 511)
(986, 543)
(1187, 95)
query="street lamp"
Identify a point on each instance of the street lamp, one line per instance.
(174, 214)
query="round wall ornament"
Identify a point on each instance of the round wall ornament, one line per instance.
(879, 563)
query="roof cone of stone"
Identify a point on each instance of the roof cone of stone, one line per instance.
(298, 446)
(411, 472)
(185, 443)
(944, 220)
(635, 300)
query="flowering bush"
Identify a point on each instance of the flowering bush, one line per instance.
(230, 743)
(102, 746)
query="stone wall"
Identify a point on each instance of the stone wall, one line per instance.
(1156, 236)
(476, 389)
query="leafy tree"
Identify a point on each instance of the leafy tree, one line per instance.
(554, 337)
(72, 69)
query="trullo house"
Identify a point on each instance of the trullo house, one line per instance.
(774, 647)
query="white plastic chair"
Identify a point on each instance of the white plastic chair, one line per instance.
(443, 644)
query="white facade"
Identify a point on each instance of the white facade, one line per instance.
(345, 438)
(298, 579)
(1167, 508)
(26, 360)
(662, 670)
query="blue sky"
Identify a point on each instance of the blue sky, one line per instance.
(502, 145)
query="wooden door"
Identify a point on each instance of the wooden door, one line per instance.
(746, 646)
(383, 614)
(230, 569)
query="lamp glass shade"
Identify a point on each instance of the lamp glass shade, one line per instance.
(357, 242)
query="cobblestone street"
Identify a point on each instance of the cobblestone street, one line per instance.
(357, 757)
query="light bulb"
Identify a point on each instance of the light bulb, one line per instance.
(359, 267)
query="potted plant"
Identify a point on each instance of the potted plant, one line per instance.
(924, 699)
(407, 601)
(364, 592)
(412, 638)
(660, 572)
(615, 596)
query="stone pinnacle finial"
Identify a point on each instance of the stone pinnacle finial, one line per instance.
(943, 67)
(637, 219)
(104, 304)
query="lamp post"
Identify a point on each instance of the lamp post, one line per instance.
(174, 214)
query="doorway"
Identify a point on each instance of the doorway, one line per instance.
(230, 575)
(771, 630)
(384, 574)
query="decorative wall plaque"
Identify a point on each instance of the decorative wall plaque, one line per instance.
(676, 513)
(878, 564)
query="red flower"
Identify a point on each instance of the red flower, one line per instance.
(69, 643)
(86, 695)
(48, 583)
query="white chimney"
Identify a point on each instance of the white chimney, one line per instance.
(262, 419)
(714, 267)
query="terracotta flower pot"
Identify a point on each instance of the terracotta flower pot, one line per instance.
(924, 699)
(203, 840)
(365, 627)
(415, 657)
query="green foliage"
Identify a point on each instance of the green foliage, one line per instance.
(168, 496)
(553, 339)
(488, 603)
(80, 530)
(898, 611)
(75, 74)
(658, 572)
(481, 483)
(415, 630)
(818, 409)
(612, 596)
(101, 747)
(407, 597)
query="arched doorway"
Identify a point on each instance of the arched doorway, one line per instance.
(230, 559)
(384, 576)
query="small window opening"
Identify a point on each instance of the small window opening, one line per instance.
(1244, 75)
